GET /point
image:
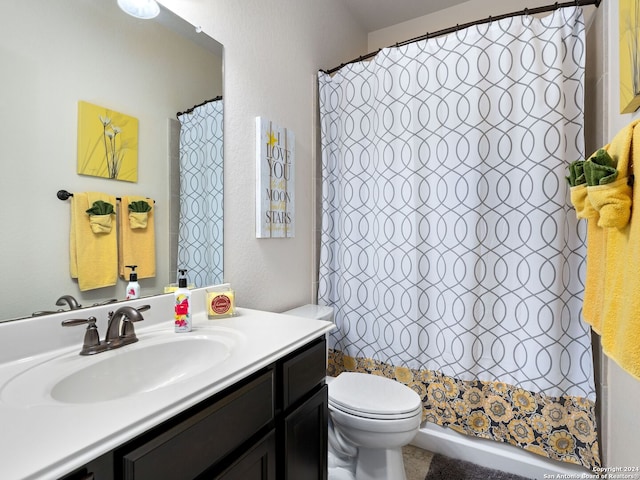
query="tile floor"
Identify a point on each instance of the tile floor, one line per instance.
(416, 462)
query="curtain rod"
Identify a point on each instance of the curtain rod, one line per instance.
(426, 36)
(219, 97)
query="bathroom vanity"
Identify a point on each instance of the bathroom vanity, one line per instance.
(270, 425)
(258, 411)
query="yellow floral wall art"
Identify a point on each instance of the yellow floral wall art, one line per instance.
(629, 55)
(107, 143)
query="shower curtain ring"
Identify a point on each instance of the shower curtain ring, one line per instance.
(526, 11)
(556, 5)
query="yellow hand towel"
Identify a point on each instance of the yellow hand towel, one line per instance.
(101, 223)
(613, 203)
(612, 291)
(581, 203)
(137, 245)
(93, 256)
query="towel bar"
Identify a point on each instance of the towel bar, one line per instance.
(64, 195)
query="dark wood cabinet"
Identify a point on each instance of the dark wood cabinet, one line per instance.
(272, 424)
(305, 439)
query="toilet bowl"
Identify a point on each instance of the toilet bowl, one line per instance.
(370, 419)
(378, 416)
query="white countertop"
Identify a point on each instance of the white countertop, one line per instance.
(48, 439)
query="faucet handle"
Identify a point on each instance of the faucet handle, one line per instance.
(91, 336)
(128, 332)
(72, 322)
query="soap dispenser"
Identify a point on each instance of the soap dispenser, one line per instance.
(133, 287)
(182, 304)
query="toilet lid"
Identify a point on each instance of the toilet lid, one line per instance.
(373, 396)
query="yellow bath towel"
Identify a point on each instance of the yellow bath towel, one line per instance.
(137, 245)
(93, 256)
(612, 292)
(595, 278)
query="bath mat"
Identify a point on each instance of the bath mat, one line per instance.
(445, 468)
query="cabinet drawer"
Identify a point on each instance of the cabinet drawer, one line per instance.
(302, 372)
(195, 444)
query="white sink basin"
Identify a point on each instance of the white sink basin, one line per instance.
(157, 360)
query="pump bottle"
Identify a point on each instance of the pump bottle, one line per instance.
(182, 304)
(133, 287)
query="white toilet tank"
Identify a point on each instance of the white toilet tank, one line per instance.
(319, 312)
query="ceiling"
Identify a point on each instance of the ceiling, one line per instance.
(376, 14)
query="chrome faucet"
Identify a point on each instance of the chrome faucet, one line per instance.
(68, 300)
(115, 337)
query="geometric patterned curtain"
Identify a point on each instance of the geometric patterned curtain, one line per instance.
(200, 234)
(450, 251)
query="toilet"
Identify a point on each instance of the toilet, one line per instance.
(370, 419)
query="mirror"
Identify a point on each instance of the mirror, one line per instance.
(55, 54)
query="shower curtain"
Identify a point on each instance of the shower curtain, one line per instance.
(448, 247)
(200, 232)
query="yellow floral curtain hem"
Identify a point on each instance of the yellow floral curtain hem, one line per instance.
(560, 428)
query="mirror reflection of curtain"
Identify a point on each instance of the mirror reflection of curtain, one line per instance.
(200, 234)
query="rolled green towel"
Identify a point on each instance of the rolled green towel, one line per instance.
(101, 208)
(576, 173)
(600, 169)
(140, 206)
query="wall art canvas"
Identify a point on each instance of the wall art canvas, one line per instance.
(107, 143)
(275, 188)
(629, 16)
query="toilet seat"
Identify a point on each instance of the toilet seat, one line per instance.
(373, 396)
(376, 416)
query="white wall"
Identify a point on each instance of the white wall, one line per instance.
(272, 52)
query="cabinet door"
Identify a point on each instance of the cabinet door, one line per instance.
(305, 439)
(259, 463)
